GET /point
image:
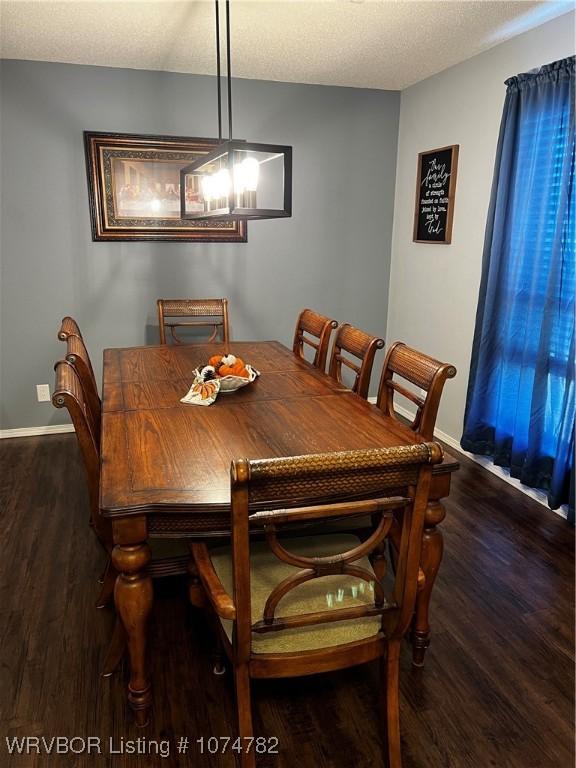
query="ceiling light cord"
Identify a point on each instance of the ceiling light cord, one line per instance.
(223, 184)
(218, 71)
(229, 70)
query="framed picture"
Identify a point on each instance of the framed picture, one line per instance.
(134, 189)
(435, 193)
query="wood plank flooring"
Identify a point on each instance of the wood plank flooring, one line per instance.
(497, 688)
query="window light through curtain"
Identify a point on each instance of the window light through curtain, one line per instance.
(520, 405)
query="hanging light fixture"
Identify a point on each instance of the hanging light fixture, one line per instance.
(238, 179)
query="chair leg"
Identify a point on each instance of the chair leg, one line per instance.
(244, 707)
(107, 589)
(196, 592)
(217, 652)
(116, 650)
(390, 667)
(218, 656)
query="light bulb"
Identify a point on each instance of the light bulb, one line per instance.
(246, 175)
(250, 173)
(222, 183)
(207, 188)
(239, 182)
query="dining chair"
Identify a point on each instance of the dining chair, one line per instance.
(69, 393)
(361, 345)
(169, 557)
(299, 606)
(77, 355)
(420, 370)
(429, 376)
(313, 330)
(209, 313)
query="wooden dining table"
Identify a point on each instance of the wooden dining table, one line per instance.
(165, 468)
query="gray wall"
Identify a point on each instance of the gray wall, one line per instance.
(434, 288)
(333, 254)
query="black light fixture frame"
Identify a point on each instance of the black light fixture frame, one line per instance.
(230, 148)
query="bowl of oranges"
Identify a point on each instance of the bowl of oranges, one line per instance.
(231, 371)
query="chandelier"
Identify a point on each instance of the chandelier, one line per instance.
(238, 179)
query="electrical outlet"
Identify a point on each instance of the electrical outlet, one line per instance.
(43, 393)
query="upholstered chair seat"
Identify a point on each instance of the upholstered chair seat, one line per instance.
(340, 591)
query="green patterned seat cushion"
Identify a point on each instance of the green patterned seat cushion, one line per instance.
(267, 571)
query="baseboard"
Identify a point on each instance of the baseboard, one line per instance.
(487, 463)
(54, 429)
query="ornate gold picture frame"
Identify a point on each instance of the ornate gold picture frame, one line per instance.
(134, 189)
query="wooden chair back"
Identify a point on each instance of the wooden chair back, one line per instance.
(69, 393)
(77, 355)
(209, 313)
(68, 327)
(422, 371)
(326, 486)
(313, 330)
(361, 345)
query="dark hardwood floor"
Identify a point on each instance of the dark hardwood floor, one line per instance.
(497, 688)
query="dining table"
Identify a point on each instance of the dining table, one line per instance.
(165, 465)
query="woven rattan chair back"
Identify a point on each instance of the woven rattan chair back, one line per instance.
(420, 370)
(210, 314)
(313, 330)
(353, 342)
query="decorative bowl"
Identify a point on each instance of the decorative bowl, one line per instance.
(232, 383)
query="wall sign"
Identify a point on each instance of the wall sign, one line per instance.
(435, 192)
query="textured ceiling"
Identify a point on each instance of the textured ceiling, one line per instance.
(362, 43)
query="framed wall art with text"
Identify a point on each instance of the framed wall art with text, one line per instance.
(435, 192)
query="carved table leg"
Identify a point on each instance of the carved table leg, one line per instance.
(133, 597)
(432, 548)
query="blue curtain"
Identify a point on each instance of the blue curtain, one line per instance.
(520, 403)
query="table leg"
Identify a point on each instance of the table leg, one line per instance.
(133, 596)
(430, 558)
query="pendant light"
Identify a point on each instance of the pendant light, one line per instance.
(238, 179)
